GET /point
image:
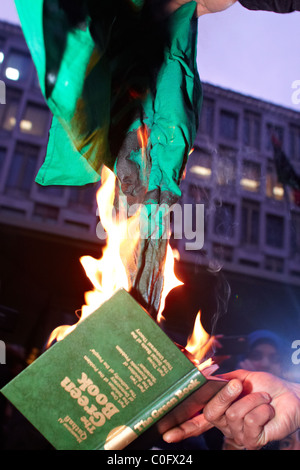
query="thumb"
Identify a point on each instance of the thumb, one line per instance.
(190, 428)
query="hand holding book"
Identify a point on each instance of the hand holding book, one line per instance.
(114, 377)
(253, 409)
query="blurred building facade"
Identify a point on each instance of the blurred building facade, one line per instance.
(252, 223)
(251, 219)
(43, 230)
(24, 124)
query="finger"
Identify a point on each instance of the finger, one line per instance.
(215, 410)
(192, 427)
(255, 421)
(241, 413)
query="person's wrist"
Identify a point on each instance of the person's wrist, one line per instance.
(296, 390)
(229, 444)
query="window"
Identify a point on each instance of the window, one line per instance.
(198, 194)
(22, 171)
(9, 111)
(12, 212)
(206, 125)
(276, 131)
(294, 142)
(249, 263)
(17, 66)
(224, 220)
(83, 197)
(274, 264)
(228, 125)
(78, 226)
(45, 213)
(202, 165)
(250, 223)
(222, 252)
(295, 234)
(251, 175)
(35, 120)
(51, 191)
(274, 231)
(2, 157)
(226, 166)
(274, 189)
(252, 129)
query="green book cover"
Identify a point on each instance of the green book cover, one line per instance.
(113, 377)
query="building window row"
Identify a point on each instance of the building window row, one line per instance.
(21, 170)
(34, 120)
(15, 65)
(250, 223)
(228, 129)
(243, 225)
(252, 130)
(47, 214)
(249, 176)
(226, 224)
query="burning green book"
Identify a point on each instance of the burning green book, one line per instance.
(115, 376)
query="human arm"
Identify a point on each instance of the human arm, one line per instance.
(203, 6)
(254, 408)
(277, 6)
(214, 6)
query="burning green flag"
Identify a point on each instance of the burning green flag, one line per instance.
(108, 69)
(105, 69)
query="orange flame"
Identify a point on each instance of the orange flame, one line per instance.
(108, 274)
(113, 270)
(170, 280)
(198, 343)
(142, 134)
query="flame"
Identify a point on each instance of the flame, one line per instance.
(114, 270)
(199, 343)
(107, 274)
(170, 280)
(198, 346)
(59, 333)
(142, 134)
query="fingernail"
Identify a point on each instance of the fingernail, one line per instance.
(167, 437)
(233, 387)
(266, 396)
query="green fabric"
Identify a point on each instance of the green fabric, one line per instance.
(64, 165)
(80, 82)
